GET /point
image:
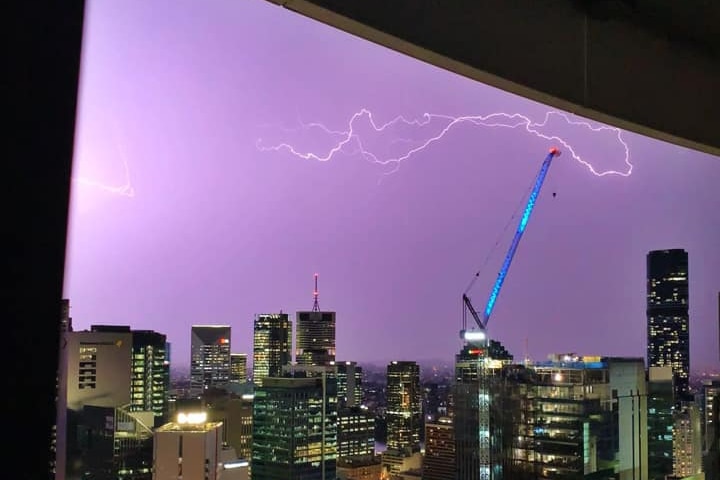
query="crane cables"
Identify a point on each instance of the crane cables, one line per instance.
(500, 237)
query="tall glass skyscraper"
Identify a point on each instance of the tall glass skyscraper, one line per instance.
(272, 345)
(295, 428)
(404, 406)
(209, 356)
(668, 332)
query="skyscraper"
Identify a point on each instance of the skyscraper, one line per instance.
(439, 462)
(295, 428)
(238, 367)
(151, 374)
(660, 422)
(117, 389)
(349, 375)
(668, 336)
(315, 341)
(404, 406)
(315, 344)
(209, 357)
(272, 345)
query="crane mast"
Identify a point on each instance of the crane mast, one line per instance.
(477, 338)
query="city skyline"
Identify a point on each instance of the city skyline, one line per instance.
(216, 231)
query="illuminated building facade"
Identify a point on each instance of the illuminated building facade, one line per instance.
(117, 391)
(404, 406)
(687, 441)
(315, 342)
(359, 468)
(439, 462)
(209, 357)
(238, 367)
(661, 400)
(189, 448)
(668, 335)
(349, 378)
(272, 345)
(150, 384)
(356, 432)
(295, 428)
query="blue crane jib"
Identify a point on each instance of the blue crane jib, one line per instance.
(482, 322)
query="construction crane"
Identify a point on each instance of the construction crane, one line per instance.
(474, 335)
(477, 337)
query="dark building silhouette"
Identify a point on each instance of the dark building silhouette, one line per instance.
(668, 332)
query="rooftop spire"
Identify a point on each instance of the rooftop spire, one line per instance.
(316, 305)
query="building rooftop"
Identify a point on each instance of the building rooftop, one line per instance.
(189, 427)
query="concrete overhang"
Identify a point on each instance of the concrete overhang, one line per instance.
(646, 66)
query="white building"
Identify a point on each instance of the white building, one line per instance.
(190, 448)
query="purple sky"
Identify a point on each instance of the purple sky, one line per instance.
(218, 230)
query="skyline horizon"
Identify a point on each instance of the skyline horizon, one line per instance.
(220, 163)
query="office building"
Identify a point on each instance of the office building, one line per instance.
(439, 462)
(209, 357)
(150, 375)
(349, 378)
(272, 345)
(568, 417)
(117, 391)
(668, 329)
(629, 422)
(188, 448)
(404, 406)
(356, 432)
(661, 400)
(359, 468)
(687, 440)
(710, 393)
(315, 340)
(234, 411)
(295, 428)
(238, 367)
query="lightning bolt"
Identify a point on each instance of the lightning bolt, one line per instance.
(351, 138)
(126, 189)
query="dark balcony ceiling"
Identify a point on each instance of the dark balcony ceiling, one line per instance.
(647, 66)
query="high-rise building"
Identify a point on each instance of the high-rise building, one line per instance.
(315, 340)
(272, 345)
(295, 428)
(439, 462)
(238, 367)
(710, 393)
(349, 378)
(188, 448)
(209, 357)
(668, 332)
(356, 432)
(151, 375)
(404, 406)
(117, 389)
(661, 398)
(687, 440)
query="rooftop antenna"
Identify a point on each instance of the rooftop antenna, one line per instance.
(316, 305)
